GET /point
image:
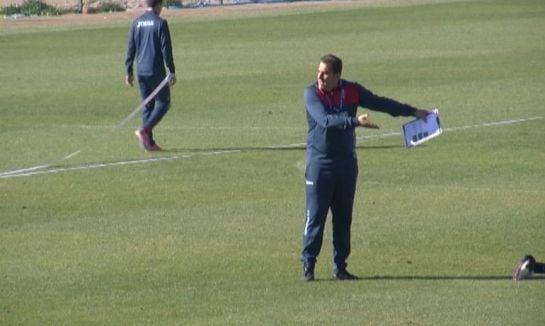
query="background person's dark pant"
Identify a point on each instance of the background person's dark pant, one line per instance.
(329, 185)
(156, 109)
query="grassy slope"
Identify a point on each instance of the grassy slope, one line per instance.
(215, 239)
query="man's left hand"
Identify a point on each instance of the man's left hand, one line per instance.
(172, 80)
(421, 113)
(129, 80)
(363, 121)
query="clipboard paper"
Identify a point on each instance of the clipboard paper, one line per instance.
(417, 131)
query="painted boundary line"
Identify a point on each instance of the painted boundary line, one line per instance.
(480, 125)
(36, 170)
(45, 169)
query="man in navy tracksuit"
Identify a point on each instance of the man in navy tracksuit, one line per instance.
(331, 171)
(149, 42)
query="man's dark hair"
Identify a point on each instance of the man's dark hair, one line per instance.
(334, 62)
(153, 3)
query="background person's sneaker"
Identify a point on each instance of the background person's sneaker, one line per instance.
(143, 139)
(308, 273)
(344, 275)
(155, 148)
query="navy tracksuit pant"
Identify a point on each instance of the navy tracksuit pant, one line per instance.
(330, 185)
(156, 109)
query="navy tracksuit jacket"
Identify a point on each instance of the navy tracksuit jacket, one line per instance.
(150, 44)
(331, 168)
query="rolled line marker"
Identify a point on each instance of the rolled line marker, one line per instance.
(144, 102)
(38, 167)
(121, 124)
(71, 155)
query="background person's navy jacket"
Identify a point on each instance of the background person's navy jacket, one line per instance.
(149, 41)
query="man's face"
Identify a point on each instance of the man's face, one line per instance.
(327, 79)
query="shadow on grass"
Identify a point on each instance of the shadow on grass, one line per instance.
(262, 149)
(438, 278)
(435, 278)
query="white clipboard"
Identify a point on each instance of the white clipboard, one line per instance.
(420, 130)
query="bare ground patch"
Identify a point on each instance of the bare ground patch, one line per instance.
(89, 20)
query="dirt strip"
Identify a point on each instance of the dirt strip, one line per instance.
(8, 24)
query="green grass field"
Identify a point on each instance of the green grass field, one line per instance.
(214, 239)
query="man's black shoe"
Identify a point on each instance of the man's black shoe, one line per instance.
(308, 273)
(524, 268)
(344, 275)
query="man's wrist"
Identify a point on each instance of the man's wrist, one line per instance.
(357, 122)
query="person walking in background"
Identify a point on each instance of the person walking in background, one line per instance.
(150, 44)
(331, 164)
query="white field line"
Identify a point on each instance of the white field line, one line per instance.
(23, 170)
(46, 169)
(480, 125)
